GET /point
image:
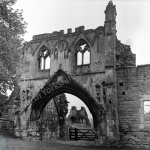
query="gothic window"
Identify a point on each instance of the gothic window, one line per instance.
(44, 58)
(83, 53)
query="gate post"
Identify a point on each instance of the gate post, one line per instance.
(69, 134)
(13, 126)
(76, 134)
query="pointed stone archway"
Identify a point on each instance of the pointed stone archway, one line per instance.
(94, 81)
(59, 83)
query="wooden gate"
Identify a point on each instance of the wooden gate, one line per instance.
(82, 134)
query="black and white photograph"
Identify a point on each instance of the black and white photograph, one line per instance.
(74, 74)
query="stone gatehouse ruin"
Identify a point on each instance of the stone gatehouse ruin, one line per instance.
(92, 65)
(78, 117)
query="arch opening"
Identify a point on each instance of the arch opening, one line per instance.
(57, 114)
(59, 84)
(82, 95)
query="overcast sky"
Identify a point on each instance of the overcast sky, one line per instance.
(133, 20)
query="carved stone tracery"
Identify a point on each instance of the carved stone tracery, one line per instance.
(80, 70)
(56, 53)
(61, 45)
(98, 91)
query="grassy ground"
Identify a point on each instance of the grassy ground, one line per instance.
(9, 142)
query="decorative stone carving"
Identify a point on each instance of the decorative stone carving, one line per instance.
(104, 91)
(78, 71)
(56, 53)
(82, 69)
(29, 95)
(97, 65)
(84, 79)
(23, 95)
(30, 86)
(66, 52)
(85, 69)
(61, 45)
(60, 66)
(98, 91)
(26, 97)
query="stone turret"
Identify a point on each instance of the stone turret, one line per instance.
(110, 12)
(110, 18)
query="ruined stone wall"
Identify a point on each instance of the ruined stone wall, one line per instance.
(98, 77)
(133, 84)
(79, 116)
(47, 127)
(112, 80)
(92, 76)
(32, 79)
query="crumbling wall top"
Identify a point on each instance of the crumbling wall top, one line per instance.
(61, 32)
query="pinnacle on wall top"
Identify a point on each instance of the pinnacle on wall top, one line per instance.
(110, 12)
(110, 7)
(111, 2)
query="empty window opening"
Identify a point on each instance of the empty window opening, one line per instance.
(83, 53)
(79, 56)
(147, 114)
(121, 84)
(44, 58)
(123, 93)
(86, 57)
(47, 63)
